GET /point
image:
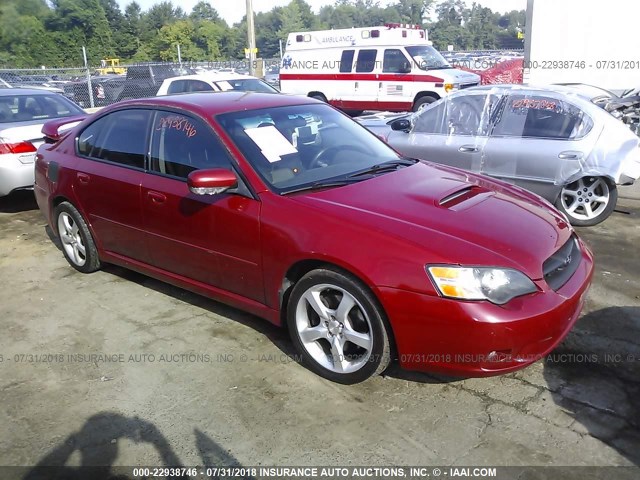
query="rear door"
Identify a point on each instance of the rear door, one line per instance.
(539, 140)
(213, 239)
(108, 178)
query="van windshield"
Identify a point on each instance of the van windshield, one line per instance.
(427, 57)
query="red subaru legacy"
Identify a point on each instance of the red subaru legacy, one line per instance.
(284, 207)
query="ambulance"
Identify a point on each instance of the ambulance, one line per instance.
(393, 67)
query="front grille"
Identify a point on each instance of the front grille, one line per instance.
(560, 266)
(468, 85)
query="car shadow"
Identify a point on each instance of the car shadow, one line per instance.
(394, 371)
(98, 446)
(594, 376)
(279, 336)
(18, 201)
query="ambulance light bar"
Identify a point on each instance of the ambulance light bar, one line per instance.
(403, 25)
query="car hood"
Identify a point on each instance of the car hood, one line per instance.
(458, 217)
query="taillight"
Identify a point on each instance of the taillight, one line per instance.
(21, 147)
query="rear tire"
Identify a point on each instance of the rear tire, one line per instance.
(338, 326)
(588, 201)
(77, 243)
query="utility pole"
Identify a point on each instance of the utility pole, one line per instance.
(251, 36)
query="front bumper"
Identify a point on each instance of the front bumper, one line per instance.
(16, 171)
(461, 338)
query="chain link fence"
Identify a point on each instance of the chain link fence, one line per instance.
(111, 82)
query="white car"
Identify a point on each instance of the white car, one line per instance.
(23, 112)
(214, 82)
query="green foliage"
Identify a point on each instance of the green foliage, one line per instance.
(53, 32)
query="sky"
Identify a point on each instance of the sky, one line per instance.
(233, 10)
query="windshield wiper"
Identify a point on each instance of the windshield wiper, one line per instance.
(385, 167)
(323, 184)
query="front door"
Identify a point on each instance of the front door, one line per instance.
(213, 239)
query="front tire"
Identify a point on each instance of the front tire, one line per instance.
(422, 102)
(588, 201)
(338, 327)
(77, 243)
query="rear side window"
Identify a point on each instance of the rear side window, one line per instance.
(535, 116)
(177, 86)
(346, 61)
(120, 137)
(182, 144)
(366, 60)
(184, 86)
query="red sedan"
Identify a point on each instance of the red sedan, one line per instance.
(286, 208)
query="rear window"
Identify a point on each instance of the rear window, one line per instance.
(246, 85)
(29, 108)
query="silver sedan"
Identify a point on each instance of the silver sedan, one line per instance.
(551, 141)
(23, 112)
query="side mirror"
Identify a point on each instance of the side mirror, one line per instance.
(401, 124)
(212, 181)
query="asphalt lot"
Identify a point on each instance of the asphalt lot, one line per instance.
(177, 378)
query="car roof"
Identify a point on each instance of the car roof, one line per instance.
(8, 92)
(214, 103)
(214, 76)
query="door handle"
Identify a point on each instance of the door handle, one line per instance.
(570, 155)
(468, 149)
(356, 84)
(156, 197)
(83, 178)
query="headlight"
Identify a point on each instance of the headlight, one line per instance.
(498, 285)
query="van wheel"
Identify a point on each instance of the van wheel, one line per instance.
(423, 102)
(318, 96)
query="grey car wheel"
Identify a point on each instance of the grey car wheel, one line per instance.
(588, 201)
(77, 243)
(338, 327)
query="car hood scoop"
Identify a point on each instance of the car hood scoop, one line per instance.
(465, 197)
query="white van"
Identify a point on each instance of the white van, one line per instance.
(392, 67)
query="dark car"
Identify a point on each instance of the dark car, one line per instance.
(105, 89)
(286, 208)
(145, 80)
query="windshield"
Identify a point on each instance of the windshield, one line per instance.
(427, 57)
(301, 146)
(246, 85)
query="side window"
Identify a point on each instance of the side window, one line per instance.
(182, 144)
(431, 119)
(394, 61)
(534, 116)
(199, 86)
(346, 61)
(120, 137)
(366, 60)
(178, 86)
